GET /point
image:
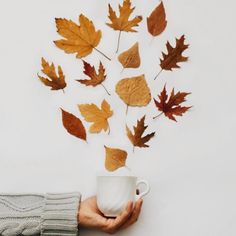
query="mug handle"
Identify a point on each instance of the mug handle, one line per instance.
(145, 192)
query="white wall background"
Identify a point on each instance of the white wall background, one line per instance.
(190, 164)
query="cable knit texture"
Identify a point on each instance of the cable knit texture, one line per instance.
(39, 214)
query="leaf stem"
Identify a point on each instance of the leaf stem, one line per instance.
(158, 74)
(118, 43)
(103, 54)
(133, 148)
(63, 91)
(122, 70)
(127, 168)
(109, 130)
(105, 89)
(157, 115)
(127, 108)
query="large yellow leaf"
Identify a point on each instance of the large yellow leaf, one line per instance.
(80, 39)
(134, 91)
(99, 117)
(115, 158)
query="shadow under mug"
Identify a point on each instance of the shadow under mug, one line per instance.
(114, 192)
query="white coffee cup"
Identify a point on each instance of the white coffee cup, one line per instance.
(114, 192)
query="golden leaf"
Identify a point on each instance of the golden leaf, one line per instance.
(131, 57)
(99, 117)
(134, 91)
(73, 125)
(80, 39)
(122, 23)
(55, 82)
(136, 138)
(115, 158)
(156, 22)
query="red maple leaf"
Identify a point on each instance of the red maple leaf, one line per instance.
(171, 107)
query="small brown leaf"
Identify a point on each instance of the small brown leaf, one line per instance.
(55, 82)
(131, 57)
(115, 158)
(171, 107)
(134, 91)
(99, 117)
(73, 125)
(136, 138)
(156, 22)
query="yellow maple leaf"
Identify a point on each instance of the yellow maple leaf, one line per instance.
(122, 23)
(80, 39)
(55, 81)
(99, 117)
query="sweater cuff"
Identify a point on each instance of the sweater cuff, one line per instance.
(59, 216)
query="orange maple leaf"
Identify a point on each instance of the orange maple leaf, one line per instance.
(55, 81)
(136, 138)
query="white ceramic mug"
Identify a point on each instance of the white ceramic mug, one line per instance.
(114, 192)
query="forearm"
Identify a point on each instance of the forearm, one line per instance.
(46, 214)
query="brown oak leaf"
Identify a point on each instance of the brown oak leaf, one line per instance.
(55, 81)
(95, 78)
(130, 58)
(136, 138)
(80, 39)
(115, 158)
(99, 117)
(174, 55)
(171, 107)
(156, 22)
(122, 23)
(73, 125)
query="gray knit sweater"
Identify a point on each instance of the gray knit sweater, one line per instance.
(39, 214)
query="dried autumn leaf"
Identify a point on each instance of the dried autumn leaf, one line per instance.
(122, 23)
(99, 117)
(174, 55)
(171, 107)
(156, 22)
(115, 158)
(80, 39)
(134, 91)
(73, 125)
(56, 82)
(131, 57)
(95, 78)
(136, 139)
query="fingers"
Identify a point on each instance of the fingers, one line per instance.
(135, 214)
(114, 224)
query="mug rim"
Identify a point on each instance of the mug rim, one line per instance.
(115, 176)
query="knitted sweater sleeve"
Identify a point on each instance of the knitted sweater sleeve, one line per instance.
(39, 214)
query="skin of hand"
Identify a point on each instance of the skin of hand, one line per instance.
(89, 216)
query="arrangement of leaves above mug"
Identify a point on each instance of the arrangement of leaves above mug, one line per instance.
(82, 39)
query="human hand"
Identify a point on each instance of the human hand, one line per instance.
(90, 216)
